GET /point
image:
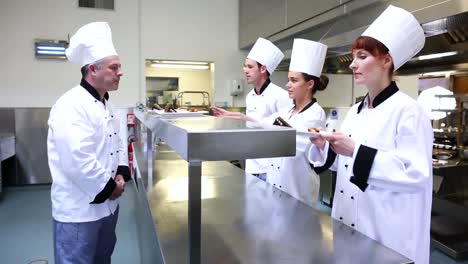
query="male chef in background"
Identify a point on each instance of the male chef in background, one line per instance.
(265, 98)
(87, 160)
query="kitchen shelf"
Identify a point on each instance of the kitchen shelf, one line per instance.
(446, 110)
(454, 134)
(462, 97)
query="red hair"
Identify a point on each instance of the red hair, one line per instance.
(373, 46)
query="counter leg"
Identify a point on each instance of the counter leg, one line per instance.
(150, 156)
(194, 211)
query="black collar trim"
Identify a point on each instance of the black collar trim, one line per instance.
(88, 87)
(306, 107)
(381, 97)
(264, 86)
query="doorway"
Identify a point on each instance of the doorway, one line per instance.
(188, 84)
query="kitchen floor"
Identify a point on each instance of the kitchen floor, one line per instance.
(26, 229)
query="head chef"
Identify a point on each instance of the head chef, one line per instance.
(92, 48)
(87, 161)
(265, 98)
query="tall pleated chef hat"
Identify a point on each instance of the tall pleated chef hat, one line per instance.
(308, 57)
(400, 32)
(266, 53)
(91, 43)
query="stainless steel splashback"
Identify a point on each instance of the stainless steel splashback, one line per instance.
(31, 146)
(30, 128)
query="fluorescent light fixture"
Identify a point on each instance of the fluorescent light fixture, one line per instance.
(437, 55)
(438, 73)
(50, 52)
(50, 49)
(182, 62)
(180, 66)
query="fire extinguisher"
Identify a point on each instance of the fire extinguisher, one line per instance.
(130, 157)
(130, 120)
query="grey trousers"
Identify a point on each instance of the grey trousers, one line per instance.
(85, 243)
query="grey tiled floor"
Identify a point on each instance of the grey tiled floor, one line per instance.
(26, 227)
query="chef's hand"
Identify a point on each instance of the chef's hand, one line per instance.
(318, 141)
(340, 143)
(119, 188)
(219, 112)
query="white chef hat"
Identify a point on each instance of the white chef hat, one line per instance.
(400, 32)
(266, 53)
(308, 57)
(91, 43)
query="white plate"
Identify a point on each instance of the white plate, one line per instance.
(308, 134)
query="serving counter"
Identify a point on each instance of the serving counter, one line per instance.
(241, 219)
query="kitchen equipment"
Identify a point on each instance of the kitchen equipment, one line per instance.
(205, 96)
(443, 155)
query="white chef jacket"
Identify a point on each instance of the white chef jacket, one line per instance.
(391, 197)
(84, 152)
(270, 100)
(294, 175)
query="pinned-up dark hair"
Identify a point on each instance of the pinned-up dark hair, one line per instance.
(320, 83)
(373, 46)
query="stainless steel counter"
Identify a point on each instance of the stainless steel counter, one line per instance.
(245, 220)
(206, 138)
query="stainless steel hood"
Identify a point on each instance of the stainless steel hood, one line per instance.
(443, 34)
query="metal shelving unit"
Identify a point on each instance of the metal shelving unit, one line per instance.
(461, 110)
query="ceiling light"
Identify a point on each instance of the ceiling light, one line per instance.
(437, 55)
(439, 73)
(182, 62)
(180, 66)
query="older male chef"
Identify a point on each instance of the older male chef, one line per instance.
(87, 159)
(266, 98)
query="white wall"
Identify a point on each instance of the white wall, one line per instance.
(30, 82)
(407, 84)
(202, 30)
(338, 92)
(205, 30)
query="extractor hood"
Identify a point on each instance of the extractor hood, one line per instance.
(446, 49)
(446, 37)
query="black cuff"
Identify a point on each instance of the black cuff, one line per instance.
(125, 172)
(362, 166)
(331, 156)
(105, 193)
